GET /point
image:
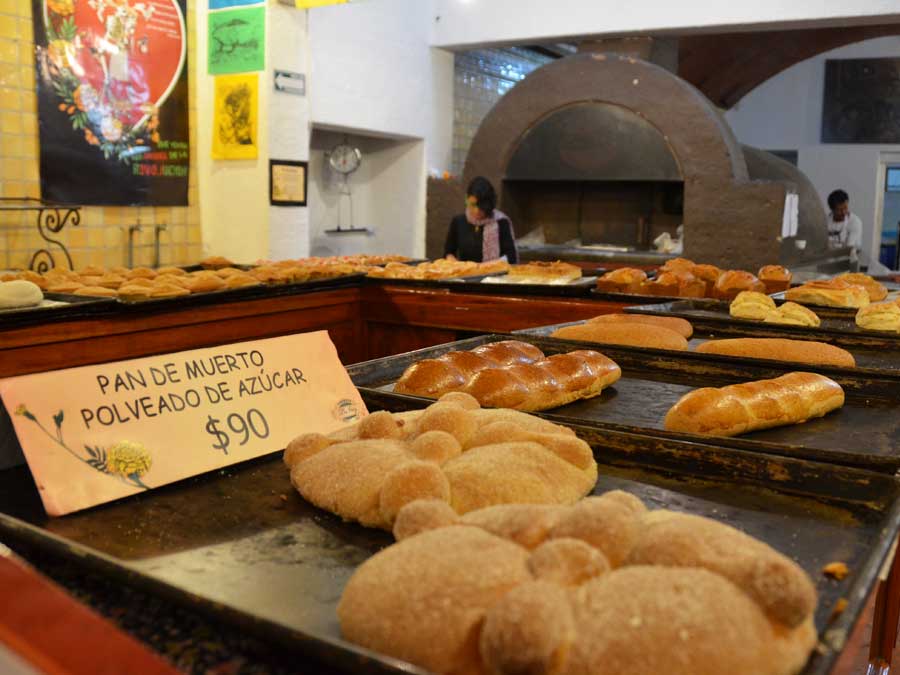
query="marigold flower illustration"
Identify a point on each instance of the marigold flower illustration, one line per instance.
(128, 459)
(58, 53)
(62, 7)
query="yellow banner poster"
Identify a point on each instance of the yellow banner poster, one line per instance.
(236, 118)
(306, 4)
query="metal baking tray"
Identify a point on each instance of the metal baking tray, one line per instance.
(711, 315)
(577, 288)
(56, 307)
(835, 312)
(864, 432)
(877, 372)
(242, 546)
(238, 294)
(634, 298)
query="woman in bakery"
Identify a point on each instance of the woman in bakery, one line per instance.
(481, 233)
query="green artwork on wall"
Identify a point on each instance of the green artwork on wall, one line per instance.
(237, 41)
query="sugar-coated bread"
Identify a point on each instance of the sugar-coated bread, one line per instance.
(19, 293)
(879, 316)
(794, 315)
(751, 305)
(876, 291)
(680, 326)
(511, 374)
(833, 293)
(778, 349)
(629, 334)
(751, 406)
(452, 452)
(600, 588)
(733, 282)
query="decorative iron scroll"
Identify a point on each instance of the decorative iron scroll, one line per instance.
(51, 218)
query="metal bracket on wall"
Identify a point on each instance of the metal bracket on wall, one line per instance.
(51, 217)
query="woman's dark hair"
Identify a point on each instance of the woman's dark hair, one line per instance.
(836, 198)
(485, 197)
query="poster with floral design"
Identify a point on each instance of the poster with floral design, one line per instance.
(112, 101)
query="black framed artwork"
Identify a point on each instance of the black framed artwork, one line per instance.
(288, 182)
(861, 101)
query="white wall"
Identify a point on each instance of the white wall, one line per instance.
(785, 113)
(471, 23)
(387, 193)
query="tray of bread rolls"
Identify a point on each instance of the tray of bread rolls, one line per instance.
(714, 316)
(574, 382)
(244, 547)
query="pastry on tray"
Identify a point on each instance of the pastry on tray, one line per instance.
(883, 316)
(776, 278)
(709, 274)
(678, 265)
(627, 334)
(792, 314)
(511, 374)
(832, 293)
(97, 292)
(751, 305)
(604, 587)
(540, 272)
(215, 262)
(622, 280)
(19, 293)
(733, 282)
(779, 349)
(877, 292)
(680, 326)
(452, 451)
(751, 406)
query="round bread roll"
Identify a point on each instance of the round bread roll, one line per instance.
(97, 292)
(680, 326)
(778, 349)
(628, 334)
(19, 293)
(734, 281)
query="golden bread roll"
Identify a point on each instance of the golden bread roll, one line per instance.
(664, 284)
(751, 406)
(778, 349)
(64, 286)
(511, 374)
(545, 271)
(453, 451)
(622, 280)
(879, 316)
(241, 281)
(226, 272)
(751, 305)
(165, 290)
(37, 279)
(795, 315)
(603, 587)
(19, 293)
(203, 282)
(709, 274)
(877, 292)
(110, 280)
(97, 292)
(730, 283)
(170, 269)
(680, 326)
(834, 293)
(678, 265)
(215, 262)
(92, 271)
(135, 292)
(629, 334)
(140, 273)
(776, 278)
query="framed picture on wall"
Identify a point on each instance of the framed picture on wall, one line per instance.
(861, 103)
(287, 182)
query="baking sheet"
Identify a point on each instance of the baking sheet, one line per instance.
(634, 298)
(709, 315)
(577, 288)
(56, 307)
(864, 432)
(837, 312)
(242, 546)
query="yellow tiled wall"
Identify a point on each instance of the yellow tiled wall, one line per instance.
(101, 238)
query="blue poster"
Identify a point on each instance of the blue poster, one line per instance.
(225, 4)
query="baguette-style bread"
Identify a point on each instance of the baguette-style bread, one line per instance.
(19, 293)
(622, 280)
(751, 406)
(792, 314)
(778, 349)
(629, 334)
(879, 316)
(733, 282)
(512, 374)
(833, 293)
(751, 305)
(604, 587)
(877, 292)
(680, 326)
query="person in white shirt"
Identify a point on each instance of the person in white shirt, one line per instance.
(844, 228)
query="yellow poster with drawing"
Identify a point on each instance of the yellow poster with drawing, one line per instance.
(306, 4)
(236, 117)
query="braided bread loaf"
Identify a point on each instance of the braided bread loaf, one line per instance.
(512, 374)
(752, 406)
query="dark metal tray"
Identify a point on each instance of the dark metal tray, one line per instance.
(634, 298)
(579, 288)
(451, 282)
(864, 432)
(823, 311)
(73, 307)
(710, 315)
(242, 546)
(238, 294)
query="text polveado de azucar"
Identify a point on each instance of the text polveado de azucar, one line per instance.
(249, 384)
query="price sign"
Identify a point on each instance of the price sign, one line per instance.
(98, 433)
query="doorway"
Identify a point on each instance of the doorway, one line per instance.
(886, 242)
